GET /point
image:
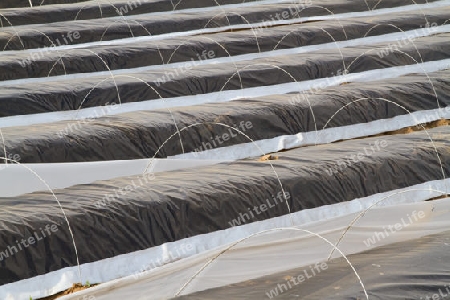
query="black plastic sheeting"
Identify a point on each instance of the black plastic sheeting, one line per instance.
(145, 53)
(414, 269)
(140, 134)
(171, 206)
(98, 9)
(53, 95)
(26, 3)
(40, 35)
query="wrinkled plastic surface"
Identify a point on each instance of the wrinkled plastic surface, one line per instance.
(34, 3)
(143, 212)
(85, 10)
(178, 49)
(252, 263)
(171, 206)
(141, 134)
(409, 269)
(145, 25)
(92, 91)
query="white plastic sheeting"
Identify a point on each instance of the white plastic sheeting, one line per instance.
(225, 96)
(258, 256)
(27, 178)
